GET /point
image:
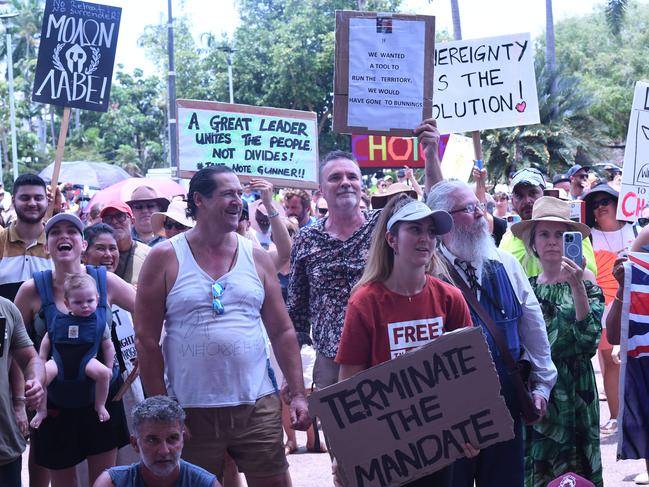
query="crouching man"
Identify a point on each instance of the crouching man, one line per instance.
(158, 423)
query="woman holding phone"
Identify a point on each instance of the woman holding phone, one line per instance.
(567, 439)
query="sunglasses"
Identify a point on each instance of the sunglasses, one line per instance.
(217, 293)
(114, 217)
(602, 202)
(643, 222)
(148, 206)
(470, 208)
(169, 224)
(323, 211)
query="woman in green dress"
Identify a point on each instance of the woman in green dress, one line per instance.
(567, 439)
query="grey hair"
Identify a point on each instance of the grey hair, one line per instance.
(159, 409)
(440, 196)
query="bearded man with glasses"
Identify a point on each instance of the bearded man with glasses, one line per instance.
(216, 296)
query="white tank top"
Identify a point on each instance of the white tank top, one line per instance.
(215, 360)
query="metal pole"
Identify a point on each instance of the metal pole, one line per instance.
(230, 75)
(12, 108)
(173, 143)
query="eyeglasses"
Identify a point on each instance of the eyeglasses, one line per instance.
(323, 211)
(217, 293)
(470, 208)
(169, 224)
(118, 217)
(602, 202)
(643, 222)
(148, 206)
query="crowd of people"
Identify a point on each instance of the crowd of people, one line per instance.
(245, 298)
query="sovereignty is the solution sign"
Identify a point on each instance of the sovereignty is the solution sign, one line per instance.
(485, 84)
(273, 143)
(76, 54)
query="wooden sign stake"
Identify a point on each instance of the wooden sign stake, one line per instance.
(60, 146)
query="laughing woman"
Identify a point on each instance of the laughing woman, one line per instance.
(71, 434)
(395, 288)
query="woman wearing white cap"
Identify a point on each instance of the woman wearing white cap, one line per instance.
(395, 288)
(567, 438)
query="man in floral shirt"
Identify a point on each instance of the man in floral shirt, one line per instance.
(327, 259)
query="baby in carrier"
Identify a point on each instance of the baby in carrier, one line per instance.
(81, 299)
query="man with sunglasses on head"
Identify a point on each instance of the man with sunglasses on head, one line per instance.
(131, 252)
(144, 202)
(217, 297)
(527, 187)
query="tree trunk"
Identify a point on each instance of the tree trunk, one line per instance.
(550, 55)
(457, 28)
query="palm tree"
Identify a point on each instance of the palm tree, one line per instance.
(615, 10)
(457, 29)
(550, 51)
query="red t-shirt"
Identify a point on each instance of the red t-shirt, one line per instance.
(381, 324)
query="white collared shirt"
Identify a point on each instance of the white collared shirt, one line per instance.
(531, 327)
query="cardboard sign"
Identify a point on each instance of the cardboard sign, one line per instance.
(383, 80)
(375, 151)
(126, 337)
(255, 142)
(458, 158)
(409, 417)
(76, 54)
(485, 84)
(635, 171)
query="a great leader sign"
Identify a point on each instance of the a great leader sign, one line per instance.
(76, 54)
(410, 416)
(274, 143)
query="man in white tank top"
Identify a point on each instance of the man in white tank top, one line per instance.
(214, 293)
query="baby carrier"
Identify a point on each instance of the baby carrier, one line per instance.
(75, 340)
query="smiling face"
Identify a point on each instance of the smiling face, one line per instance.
(224, 205)
(121, 223)
(578, 182)
(142, 212)
(604, 208)
(159, 446)
(30, 203)
(65, 243)
(103, 251)
(341, 184)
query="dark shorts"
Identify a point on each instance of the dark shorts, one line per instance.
(68, 436)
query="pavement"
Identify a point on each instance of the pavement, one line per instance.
(314, 469)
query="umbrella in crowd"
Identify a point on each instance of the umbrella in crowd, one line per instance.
(95, 175)
(122, 191)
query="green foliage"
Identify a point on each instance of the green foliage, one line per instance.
(615, 12)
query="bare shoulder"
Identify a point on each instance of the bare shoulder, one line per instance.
(103, 480)
(28, 297)
(641, 241)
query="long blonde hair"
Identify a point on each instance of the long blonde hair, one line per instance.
(380, 261)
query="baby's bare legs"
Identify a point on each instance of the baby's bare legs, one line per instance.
(51, 371)
(101, 375)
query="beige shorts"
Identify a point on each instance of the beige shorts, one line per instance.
(250, 433)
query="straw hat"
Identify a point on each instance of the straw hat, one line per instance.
(549, 209)
(176, 212)
(380, 200)
(147, 193)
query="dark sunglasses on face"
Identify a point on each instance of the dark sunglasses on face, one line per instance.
(169, 224)
(643, 222)
(602, 202)
(118, 217)
(323, 211)
(148, 206)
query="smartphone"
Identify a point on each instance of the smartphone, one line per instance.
(572, 247)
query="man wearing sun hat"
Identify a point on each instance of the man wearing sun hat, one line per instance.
(131, 252)
(527, 187)
(144, 202)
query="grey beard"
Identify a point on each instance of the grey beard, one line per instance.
(472, 243)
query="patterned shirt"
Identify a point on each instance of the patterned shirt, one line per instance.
(323, 272)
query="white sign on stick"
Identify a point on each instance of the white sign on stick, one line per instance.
(458, 158)
(485, 84)
(635, 172)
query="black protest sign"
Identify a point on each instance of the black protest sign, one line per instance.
(76, 54)
(409, 417)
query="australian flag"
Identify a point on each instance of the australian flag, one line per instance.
(634, 351)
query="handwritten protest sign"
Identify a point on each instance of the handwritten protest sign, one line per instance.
(384, 151)
(635, 171)
(76, 54)
(274, 143)
(383, 72)
(408, 417)
(485, 84)
(126, 337)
